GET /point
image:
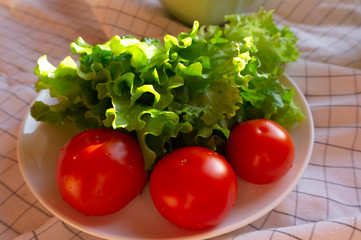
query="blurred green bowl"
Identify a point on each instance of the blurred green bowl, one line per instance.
(206, 12)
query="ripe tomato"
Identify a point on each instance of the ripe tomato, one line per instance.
(193, 187)
(260, 151)
(100, 171)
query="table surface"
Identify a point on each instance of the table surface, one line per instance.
(325, 204)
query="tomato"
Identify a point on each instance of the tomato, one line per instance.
(193, 187)
(260, 151)
(100, 171)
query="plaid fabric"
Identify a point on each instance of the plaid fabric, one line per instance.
(326, 203)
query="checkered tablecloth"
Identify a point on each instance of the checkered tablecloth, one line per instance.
(326, 203)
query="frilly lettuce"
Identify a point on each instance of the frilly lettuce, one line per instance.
(187, 90)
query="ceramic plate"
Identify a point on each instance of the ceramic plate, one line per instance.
(38, 147)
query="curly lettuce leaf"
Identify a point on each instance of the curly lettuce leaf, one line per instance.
(190, 89)
(275, 46)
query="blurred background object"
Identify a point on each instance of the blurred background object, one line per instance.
(205, 11)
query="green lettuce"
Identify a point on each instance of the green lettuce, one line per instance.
(189, 89)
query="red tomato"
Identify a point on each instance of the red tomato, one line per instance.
(260, 151)
(100, 171)
(193, 187)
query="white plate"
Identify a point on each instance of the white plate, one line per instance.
(38, 147)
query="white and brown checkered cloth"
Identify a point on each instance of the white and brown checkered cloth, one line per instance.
(326, 203)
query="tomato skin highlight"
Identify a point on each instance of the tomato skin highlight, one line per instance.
(100, 171)
(193, 187)
(260, 151)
